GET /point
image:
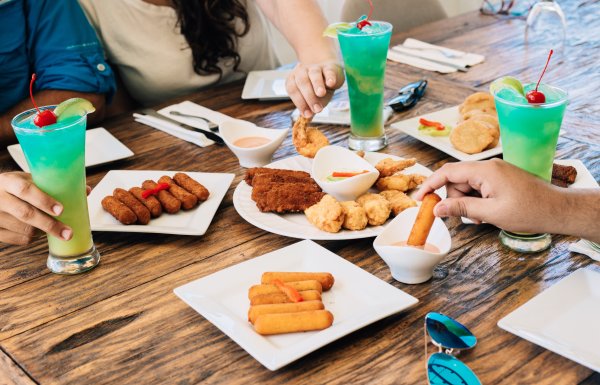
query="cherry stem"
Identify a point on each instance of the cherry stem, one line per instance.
(370, 9)
(544, 71)
(31, 93)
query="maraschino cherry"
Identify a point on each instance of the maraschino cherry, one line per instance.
(535, 96)
(42, 118)
(363, 23)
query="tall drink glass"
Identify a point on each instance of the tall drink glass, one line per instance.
(365, 54)
(56, 158)
(529, 134)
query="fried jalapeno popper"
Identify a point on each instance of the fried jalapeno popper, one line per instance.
(424, 222)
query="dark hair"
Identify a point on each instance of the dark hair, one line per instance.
(209, 26)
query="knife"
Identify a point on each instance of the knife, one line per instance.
(440, 62)
(210, 135)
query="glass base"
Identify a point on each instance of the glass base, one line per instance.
(367, 144)
(525, 243)
(74, 265)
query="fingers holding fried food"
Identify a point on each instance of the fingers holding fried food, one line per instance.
(129, 200)
(399, 201)
(307, 140)
(169, 203)
(355, 216)
(188, 200)
(267, 324)
(325, 279)
(118, 210)
(262, 299)
(424, 221)
(389, 166)
(192, 186)
(327, 215)
(276, 308)
(376, 207)
(400, 182)
(151, 203)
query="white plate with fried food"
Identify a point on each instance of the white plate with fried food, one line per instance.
(296, 225)
(356, 300)
(449, 117)
(185, 222)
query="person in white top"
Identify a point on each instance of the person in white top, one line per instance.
(163, 49)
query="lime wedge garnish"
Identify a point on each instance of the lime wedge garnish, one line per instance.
(73, 107)
(507, 82)
(332, 29)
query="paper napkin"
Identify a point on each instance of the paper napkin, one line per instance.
(406, 53)
(583, 247)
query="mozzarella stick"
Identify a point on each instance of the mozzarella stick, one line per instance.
(270, 289)
(151, 202)
(185, 181)
(118, 210)
(420, 230)
(263, 299)
(303, 321)
(257, 310)
(326, 279)
(188, 200)
(129, 200)
(169, 203)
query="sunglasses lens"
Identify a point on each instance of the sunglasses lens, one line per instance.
(445, 369)
(449, 333)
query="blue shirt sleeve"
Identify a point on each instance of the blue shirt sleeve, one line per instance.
(64, 50)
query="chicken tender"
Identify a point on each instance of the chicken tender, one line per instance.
(400, 182)
(399, 201)
(327, 215)
(471, 137)
(389, 166)
(284, 174)
(376, 207)
(355, 216)
(307, 140)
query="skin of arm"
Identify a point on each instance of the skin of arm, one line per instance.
(319, 73)
(501, 194)
(44, 98)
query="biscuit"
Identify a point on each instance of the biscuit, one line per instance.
(471, 136)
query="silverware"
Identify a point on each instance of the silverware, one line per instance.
(211, 125)
(210, 135)
(440, 62)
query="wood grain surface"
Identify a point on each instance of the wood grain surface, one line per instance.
(121, 323)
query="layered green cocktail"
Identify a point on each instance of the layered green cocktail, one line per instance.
(365, 52)
(55, 154)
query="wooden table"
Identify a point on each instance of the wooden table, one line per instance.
(121, 323)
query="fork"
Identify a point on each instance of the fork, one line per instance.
(211, 125)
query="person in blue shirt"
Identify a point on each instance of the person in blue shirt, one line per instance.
(54, 40)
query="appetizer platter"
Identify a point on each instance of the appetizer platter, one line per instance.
(297, 225)
(351, 299)
(167, 202)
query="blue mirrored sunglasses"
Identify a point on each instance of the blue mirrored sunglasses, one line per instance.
(408, 96)
(450, 337)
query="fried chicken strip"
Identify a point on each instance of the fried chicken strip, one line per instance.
(389, 166)
(400, 182)
(399, 201)
(252, 172)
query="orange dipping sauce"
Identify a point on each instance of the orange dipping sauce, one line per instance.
(428, 246)
(251, 141)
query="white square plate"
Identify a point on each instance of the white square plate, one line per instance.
(563, 318)
(266, 85)
(100, 147)
(356, 299)
(192, 222)
(450, 117)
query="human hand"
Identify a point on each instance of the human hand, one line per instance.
(311, 86)
(495, 192)
(24, 208)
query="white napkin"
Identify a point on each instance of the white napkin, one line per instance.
(186, 107)
(429, 51)
(582, 247)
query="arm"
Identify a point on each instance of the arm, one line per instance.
(318, 73)
(501, 194)
(44, 98)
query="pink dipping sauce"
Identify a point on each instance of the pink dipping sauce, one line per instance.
(251, 141)
(428, 246)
